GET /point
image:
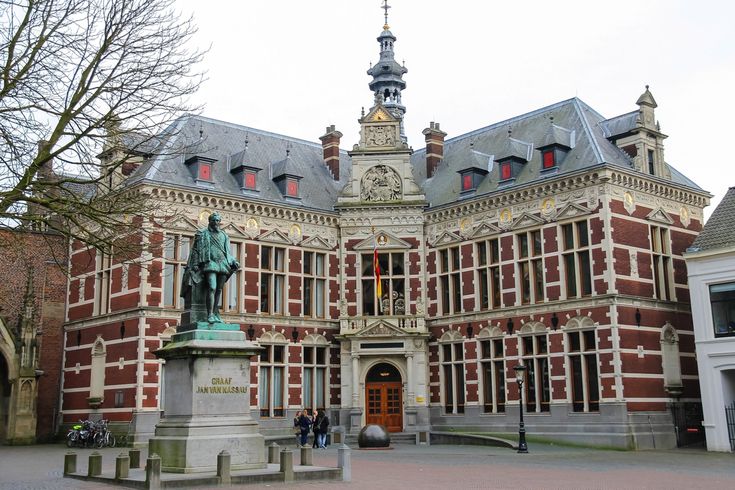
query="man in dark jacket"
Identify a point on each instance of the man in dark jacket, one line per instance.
(323, 424)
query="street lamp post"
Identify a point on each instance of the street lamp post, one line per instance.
(522, 446)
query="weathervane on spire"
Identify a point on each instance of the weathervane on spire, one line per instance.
(385, 7)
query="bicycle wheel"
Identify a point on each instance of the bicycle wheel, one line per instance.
(110, 439)
(99, 440)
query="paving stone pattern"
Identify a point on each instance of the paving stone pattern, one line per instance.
(440, 467)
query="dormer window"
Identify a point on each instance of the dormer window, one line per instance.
(250, 180)
(548, 158)
(506, 171)
(292, 187)
(467, 184)
(201, 168)
(471, 178)
(205, 172)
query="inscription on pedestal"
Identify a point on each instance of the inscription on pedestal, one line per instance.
(221, 386)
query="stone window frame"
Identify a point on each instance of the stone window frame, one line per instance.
(174, 251)
(452, 373)
(273, 280)
(273, 343)
(493, 369)
(311, 364)
(662, 263)
(538, 366)
(589, 365)
(232, 289)
(388, 278)
(449, 279)
(102, 283)
(489, 269)
(311, 280)
(575, 250)
(533, 262)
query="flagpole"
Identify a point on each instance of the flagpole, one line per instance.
(376, 272)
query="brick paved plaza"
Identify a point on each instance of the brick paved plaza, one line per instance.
(441, 467)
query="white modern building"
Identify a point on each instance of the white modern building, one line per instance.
(711, 267)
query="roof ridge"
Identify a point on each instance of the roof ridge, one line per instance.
(263, 132)
(511, 120)
(588, 129)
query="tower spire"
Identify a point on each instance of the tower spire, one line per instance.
(387, 83)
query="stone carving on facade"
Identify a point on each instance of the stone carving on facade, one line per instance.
(684, 216)
(506, 219)
(629, 202)
(380, 183)
(633, 263)
(420, 306)
(380, 136)
(343, 307)
(548, 208)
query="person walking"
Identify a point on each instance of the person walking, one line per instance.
(305, 423)
(323, 429)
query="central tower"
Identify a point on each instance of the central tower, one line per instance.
(387, 83)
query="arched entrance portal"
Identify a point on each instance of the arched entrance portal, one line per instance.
(384, 397)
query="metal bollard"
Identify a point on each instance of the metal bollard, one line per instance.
(122, 466)
(306, 456)
(287, 464)
(153, 472)
(223, 468)
(343, 461)
(274, 452)
(134, 458)
(95, 464)
(70, 463)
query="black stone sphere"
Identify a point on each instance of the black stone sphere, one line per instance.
(373, 435)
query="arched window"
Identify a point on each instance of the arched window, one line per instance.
(315, 380)
(271, 374)
(534, 349)
(452, 362)
(582, 364)
(492, 367)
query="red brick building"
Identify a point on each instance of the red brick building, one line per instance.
(32, 298)
(553, 239)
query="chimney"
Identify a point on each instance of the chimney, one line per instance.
(434, 147)
(330, 147)
(46, 169)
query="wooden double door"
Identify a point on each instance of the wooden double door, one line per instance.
(384, 398)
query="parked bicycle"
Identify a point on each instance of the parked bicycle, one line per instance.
(102, 435)
(81, 434)
(90, 434)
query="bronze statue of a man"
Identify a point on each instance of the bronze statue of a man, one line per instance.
(210, 265)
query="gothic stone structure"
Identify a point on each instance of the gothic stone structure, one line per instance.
(32, 298)
(553, 239)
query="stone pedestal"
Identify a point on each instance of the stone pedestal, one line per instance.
(207, 411)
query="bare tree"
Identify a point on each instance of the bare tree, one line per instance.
(88, 89)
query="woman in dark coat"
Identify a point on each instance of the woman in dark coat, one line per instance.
(305, 423)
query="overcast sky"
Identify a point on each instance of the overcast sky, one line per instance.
(294, 67)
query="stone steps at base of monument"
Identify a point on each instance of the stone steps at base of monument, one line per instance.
(395, 438)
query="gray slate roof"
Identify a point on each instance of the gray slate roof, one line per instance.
(719, 231)
(591, 148)
(225, 142)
